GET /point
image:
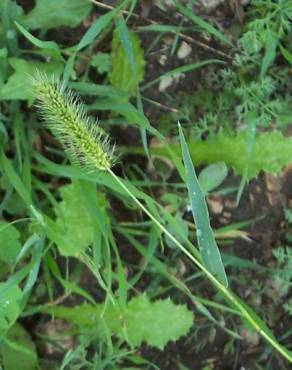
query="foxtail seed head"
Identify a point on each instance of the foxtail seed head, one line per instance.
(85, 142)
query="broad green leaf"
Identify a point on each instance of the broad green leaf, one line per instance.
(74, 227)
(155, 323)
(56, 13)
(271, 152)
(9, 307)
(212, 176)
(121, 74)
(206, 240)
(18, 84)
(9, 242)
(17, 350)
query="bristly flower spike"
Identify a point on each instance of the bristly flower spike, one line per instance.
(85, 142)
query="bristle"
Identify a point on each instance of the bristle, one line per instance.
(85, 142)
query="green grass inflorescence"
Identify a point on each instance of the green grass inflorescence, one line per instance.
(84, 141)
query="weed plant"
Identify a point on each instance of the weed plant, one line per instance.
(102, 257)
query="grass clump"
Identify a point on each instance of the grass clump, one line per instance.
(101, 268)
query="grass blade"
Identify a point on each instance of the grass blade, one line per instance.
(46, 45)
(182, 69)
(96, 28)
(201, 23)
(206, 240)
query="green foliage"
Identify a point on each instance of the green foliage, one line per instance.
(18, 351)
(17, 86)
(271, 21)
(179, 230)
(198, 21)
(212, 176)
(271, 152)
(47, 48)
(9, 242)
(9, 306)
(102, 62)
(155, 323)
(101, 238)
(125, 74)
(74, 221)
(206, 240)
(56, 13)
(283, 276)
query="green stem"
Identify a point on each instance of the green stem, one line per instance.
(226, 292)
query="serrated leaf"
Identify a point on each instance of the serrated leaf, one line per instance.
(102, 62)
(56, 13)
(74, 223)
(18, 85)
(121, 74)
(9, 242)
(271, 152)
(155, 323)
(17, 350)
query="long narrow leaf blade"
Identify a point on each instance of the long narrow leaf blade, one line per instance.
(206, 240)
(201, 23)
